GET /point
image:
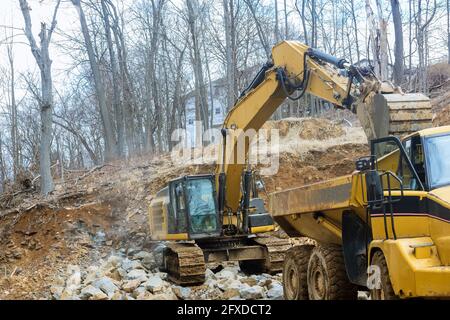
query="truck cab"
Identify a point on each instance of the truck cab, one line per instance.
(412, 227)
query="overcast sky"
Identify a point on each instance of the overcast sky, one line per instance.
(41, 10)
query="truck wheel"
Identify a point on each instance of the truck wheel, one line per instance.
(326, 275)
(294, 273)
(253, 266)
(385, 290)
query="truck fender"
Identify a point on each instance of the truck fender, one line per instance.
(356, 236)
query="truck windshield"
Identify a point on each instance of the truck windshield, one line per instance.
(438, 154)
(202, 207)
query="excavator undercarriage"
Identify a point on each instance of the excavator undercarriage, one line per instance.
(186, 262)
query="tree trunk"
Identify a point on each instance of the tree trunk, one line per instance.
(230, 41)
(399, 55)
(42, 57)
(127, 90)
(14, 134)
(201, 104)
(46, 118)
(356, 29)
(117, 107)
(108, 129)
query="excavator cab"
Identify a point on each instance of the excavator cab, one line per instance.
(193, 208)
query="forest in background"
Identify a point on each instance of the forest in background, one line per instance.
(132, 64)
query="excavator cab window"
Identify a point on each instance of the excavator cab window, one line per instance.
(202, 206)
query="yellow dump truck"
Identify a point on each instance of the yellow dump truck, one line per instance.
(386, 227)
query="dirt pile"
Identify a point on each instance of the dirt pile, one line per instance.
(100, 212)
(307, 128)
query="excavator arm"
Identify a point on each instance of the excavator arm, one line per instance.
(299, 69)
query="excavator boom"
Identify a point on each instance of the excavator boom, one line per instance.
(298, 69)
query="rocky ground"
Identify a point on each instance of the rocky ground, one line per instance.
(135, 275)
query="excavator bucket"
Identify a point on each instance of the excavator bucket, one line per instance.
(394, 114)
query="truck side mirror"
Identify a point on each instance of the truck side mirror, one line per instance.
(363, 164)
(374, 187)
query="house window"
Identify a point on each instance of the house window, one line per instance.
(217, 110)
(191, 121)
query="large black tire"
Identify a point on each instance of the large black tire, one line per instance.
(294, 272)
(384, 290)
(326, 276)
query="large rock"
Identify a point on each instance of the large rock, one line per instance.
(93, 273)
(154, 284)
(137, 274)
(227, 273)
(118, 296)
(169, 295)
(182, 293)
(139, 291)
(107, 285)
(145, 296)
(74, 274)
(231, 294)
(150, 263)
(128, 264)
(275, 292)
(131, 285)
(114, 262)
(70, 293)
(141, 255)
(249, 281)
(92, 293)
(158, 253)
(252, 293)
(56, 291)
(226, 284)
(115, 274)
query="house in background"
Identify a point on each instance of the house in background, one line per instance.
(216, 105)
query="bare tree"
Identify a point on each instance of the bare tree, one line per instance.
(423, 18)
(231, 50)
(42, 57)
(399, 55)
(110, 139)
(193, 18)
(115, 80)
(13, 112)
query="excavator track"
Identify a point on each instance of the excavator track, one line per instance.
(185, 263)
(276, 249)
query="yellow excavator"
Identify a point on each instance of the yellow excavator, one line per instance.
(219, 217)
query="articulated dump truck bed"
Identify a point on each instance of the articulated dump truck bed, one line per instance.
(298, 211)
